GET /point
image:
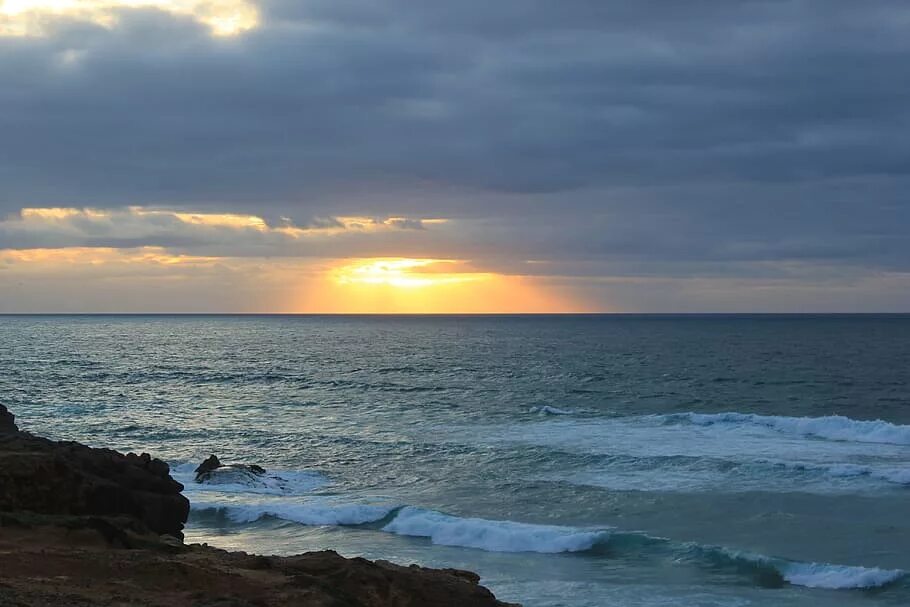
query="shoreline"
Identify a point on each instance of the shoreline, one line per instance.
(83, 526)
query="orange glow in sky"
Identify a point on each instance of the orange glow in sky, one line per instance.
(429, 286)
(152, 279)
(404, 273)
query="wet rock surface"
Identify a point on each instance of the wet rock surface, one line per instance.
(213, 471)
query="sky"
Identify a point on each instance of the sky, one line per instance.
(437, 156)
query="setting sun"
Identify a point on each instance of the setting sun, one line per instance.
(401, 285)
(405, 273)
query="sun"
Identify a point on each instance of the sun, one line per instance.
(407, 285)
(405, 273)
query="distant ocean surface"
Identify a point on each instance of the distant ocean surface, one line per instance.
(570, 461)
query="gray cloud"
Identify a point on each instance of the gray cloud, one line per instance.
(658, 136)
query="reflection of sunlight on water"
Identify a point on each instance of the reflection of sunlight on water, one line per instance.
(27, 17)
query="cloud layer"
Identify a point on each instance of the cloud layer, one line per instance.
(651, 140)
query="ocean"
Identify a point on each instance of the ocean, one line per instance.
(730, 460)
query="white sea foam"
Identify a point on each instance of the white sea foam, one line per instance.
(509, 536)
(832, 427)
(836, 577)
(273, 482)
(306, 513)
(895, 475)
(900, 476)
(548, 410)
(810, 575)
(443, 529)
(671, 453)
(493, 536)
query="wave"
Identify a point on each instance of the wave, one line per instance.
(490, 535)
(548, 410)
(273, 482)
(898, 476)
(698, 475)
(832, 427)
(838, 577)
(313, 513)
(514, 537)
(774, 572)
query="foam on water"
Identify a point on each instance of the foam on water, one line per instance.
(898, 476)
(548, 410)
(306, 513)
(811, 575)
(273, 482)
(734, 475)
(837, 577)
(831, 427)
(510, 537)
(494, 536)
(711, 452)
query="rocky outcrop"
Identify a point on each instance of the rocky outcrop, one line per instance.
(83, 526)
(7, 421)
(50, 566)
(65, 478)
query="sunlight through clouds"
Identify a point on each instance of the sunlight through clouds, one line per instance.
(404, 273)
(156, 279)
(30, 17)
(66, 226)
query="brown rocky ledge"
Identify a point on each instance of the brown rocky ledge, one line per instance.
(91, 527)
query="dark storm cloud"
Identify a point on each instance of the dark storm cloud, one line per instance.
(595, 131)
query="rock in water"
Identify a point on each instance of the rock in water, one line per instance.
(66, 478)
(210, 463)
(213, 471)
(7, 421)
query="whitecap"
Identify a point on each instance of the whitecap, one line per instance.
(548, 410)
(837, 577)
(306, 513)
(273, 482)
(811, 575)
(491, 535)
(831, 427)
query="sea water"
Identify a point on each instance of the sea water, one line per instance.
(574, 461)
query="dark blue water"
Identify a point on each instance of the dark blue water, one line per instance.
(717, 460)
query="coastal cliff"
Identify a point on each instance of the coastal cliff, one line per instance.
(91, 527)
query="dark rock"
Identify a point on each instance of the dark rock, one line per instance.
(66, 478)
(7, 421)
(212, 470)
(210, 463)
(358, 581)
(74, 530)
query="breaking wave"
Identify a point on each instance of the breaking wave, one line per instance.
(832, 427)
(510, 536)
(898, 476)
(307, 513)
(836, 577)
(273, 482)
(493, 536)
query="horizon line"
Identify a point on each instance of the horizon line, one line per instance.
(450, 314)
